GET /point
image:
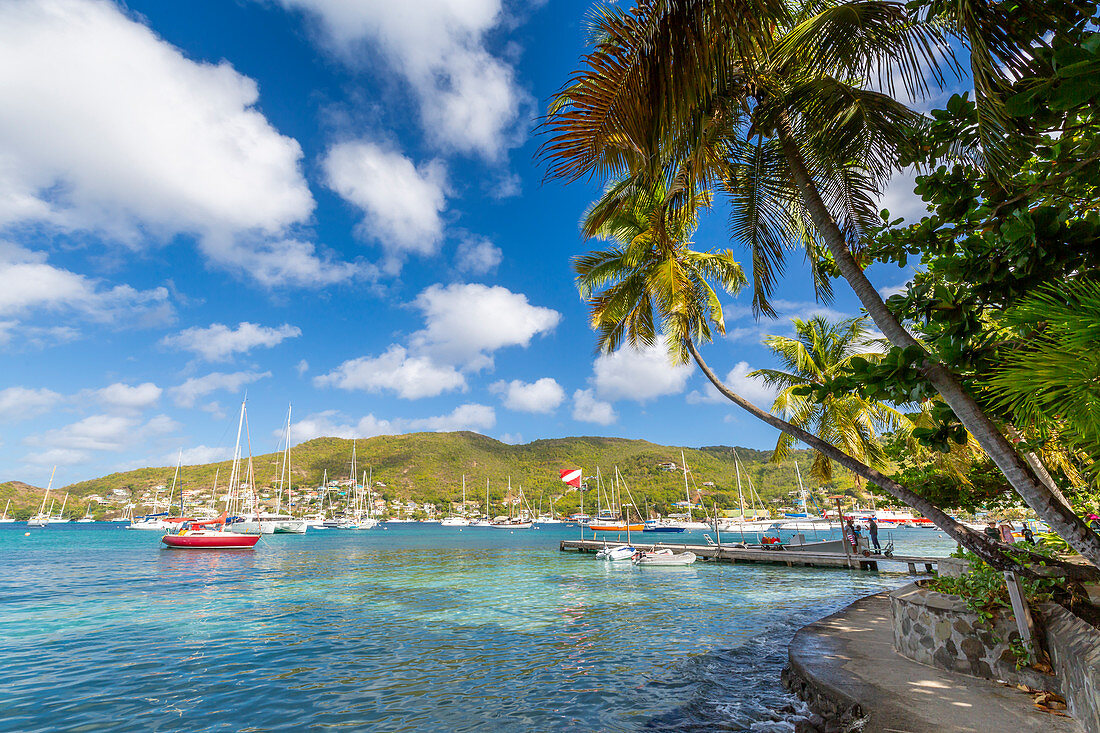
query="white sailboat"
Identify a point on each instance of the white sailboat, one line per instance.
(87, 518)
(483, 520)
(363, 518)
(60, 518)
(510, 522)
(459, 521)
(286, 524)
(6, 519)
(687, 522)
(42, 518)
(253, 520)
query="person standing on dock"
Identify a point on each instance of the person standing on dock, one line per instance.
(872, 532)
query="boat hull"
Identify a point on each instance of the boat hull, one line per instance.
(620, 527)
(661, 559)
(667, 530)
(221, 541)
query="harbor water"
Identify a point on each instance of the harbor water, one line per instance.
(411, 627)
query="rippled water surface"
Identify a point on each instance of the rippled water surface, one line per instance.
(415, 627)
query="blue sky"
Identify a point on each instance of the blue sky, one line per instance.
(330, 203)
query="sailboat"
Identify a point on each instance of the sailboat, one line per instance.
(363, 518)
(286, 524)
(511, 522)
(483, 520)
(252, 523)
(60, 518)
(608, 520)
(460, 521)
(87, 518)
(6, 519)
(42, 518)
(686, 521)
(756, 520)
(208, 535)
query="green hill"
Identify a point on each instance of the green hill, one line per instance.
(428, 468)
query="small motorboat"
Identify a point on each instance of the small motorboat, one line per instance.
(208, 535)
(664, 557)
(615, 554)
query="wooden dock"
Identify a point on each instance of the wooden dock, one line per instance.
(790, 558)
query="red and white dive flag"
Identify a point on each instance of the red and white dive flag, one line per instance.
(571, 476)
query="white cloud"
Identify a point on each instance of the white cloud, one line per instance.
(105, 127)
(466, 323)
(511, 438)
(401, 204)
(741, 326)
(302, 368)
(124, 396)
(900, 199)
(410, 377)
(469, 99)
(542, 396)
(638, 374)
(57, 457)
(586, 408)
(888, 290)
(464, 417)
(331, 423)
(187, 393)
(754, 390)
(18, 403)
(28, 284)
(477, 256)
(219, 342)
(103, 433)
(198, 455)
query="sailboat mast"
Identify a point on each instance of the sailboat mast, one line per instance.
(175, 476)
(48, 487)
(231, 504)
(740, 496)
(687, 493)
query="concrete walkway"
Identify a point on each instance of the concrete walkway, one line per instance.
(849, 659)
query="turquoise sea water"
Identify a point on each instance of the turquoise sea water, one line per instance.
(415, 627)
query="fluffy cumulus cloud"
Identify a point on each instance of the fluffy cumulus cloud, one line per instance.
(469, 99)
(541, 396)
(186, 394)
(219, 342)
(638, 374)
(29, 284)
(19, 403)
(477, 256)
(331, 423)
(127, 397)
(198, 455)
(738, 379)
(587, 408)
(467, 322)
(395, 370)
(75, 443)
(105, 127)
(401, 203)
(741, 325)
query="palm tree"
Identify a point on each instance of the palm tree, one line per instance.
(821, 351)
(651, 285)
(773, 103)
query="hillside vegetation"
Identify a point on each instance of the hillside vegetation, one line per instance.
(428, 467)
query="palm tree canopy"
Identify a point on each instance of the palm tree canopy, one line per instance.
(650, 282)
(820, 351)
(684, 88)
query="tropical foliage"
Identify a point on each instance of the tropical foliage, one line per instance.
(819, 352)
(777, 106)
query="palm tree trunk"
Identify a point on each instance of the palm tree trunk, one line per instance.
(1023, 479)
(982, 546)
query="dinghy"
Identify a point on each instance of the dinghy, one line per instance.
(664, 557)
(615, 554)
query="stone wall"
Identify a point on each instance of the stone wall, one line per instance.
(940, 631)
(1074, 648)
